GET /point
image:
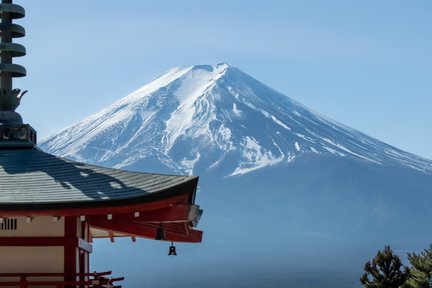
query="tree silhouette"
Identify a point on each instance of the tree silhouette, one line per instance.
(421, 271)
(385, 271)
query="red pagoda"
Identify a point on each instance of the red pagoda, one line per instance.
(52, 208)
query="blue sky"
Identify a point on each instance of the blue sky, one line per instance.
(367, 64)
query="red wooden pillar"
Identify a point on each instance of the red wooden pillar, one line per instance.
(70, 248)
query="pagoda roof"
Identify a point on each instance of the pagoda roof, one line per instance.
(31, 179)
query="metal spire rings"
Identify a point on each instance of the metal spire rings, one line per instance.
(9, 97)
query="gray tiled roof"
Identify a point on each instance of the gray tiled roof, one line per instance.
(32, 177)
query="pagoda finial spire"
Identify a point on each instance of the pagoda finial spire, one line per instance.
(9, 97)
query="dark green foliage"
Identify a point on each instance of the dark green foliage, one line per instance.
(385, 271)
(421, 271)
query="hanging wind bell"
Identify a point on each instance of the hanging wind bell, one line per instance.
(172, 250)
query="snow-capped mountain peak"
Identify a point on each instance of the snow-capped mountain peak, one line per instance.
(214, 117)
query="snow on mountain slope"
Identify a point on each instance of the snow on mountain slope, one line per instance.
(300, 190)
(203, 118)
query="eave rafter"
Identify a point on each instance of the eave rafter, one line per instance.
(177, 232)
(176, 221)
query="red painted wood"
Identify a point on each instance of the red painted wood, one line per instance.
(70, 257)
(82, 264)
(142, 230)
(176, 213)
(83, 254)
(181, 199)
(89, 239)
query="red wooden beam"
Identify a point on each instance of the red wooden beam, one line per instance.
(145, 206)
(142, 230)
(175, 213)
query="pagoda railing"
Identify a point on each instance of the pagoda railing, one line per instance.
(87, 280)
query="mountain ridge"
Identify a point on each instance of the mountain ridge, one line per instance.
(283, 187)
(218, 109)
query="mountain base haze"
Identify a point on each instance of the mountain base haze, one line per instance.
(291, 197)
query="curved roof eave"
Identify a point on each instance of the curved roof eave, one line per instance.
(32, 179)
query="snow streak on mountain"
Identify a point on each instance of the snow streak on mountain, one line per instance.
(202, 118)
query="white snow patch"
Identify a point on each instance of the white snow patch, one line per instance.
(300, 135)
(314, 150)
(297, 146)
(252, 149)
(349, 151)
(162, 81)
(215, 164)
(333, 151)
(189, 164)
(195, 83)
(223, 139)
(256, 157)
(280, 123)
(236, 111)
(270, 116)
(304, 137)
(279, 149)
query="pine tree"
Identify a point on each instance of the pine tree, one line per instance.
(421, 271)
(385, 271)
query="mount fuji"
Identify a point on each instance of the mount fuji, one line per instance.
(291, 197)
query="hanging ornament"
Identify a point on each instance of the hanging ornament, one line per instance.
(172, 250)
